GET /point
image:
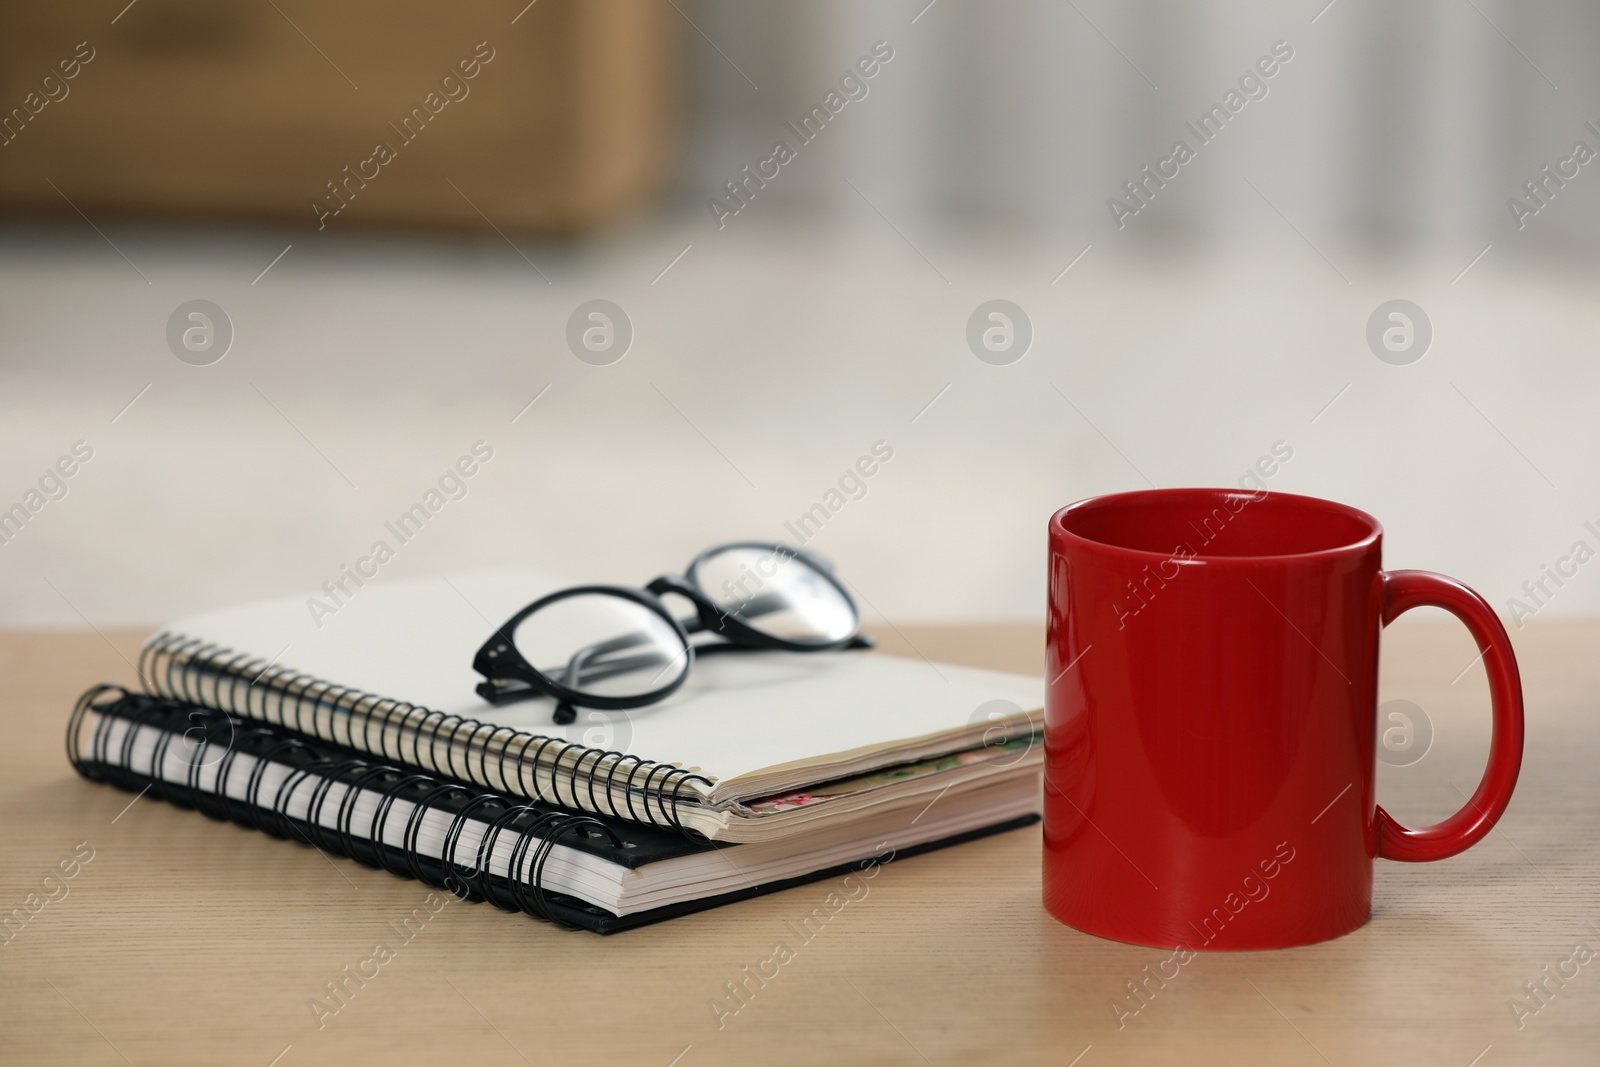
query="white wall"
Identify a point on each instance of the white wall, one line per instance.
(1395, 126)
(830, 311)
(791, 349)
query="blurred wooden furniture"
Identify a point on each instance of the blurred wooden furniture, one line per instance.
(554, 115)
(186, 941)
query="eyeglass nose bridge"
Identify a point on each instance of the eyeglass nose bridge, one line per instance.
(711, 618)
(673, 583)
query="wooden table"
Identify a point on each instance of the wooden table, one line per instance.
(185, 941)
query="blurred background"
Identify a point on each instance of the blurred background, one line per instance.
(392, 222)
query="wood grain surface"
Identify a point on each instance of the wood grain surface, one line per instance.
(185, 941)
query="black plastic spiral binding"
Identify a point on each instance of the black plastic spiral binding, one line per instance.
(225, 765)
(380, 818)
(348, 842)
(456, 875)
(419, 811)
(486, 850)
(280, 800)
(259, 811)
(320, 795)
(558, 771)
(520, 888)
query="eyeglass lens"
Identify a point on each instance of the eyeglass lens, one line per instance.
(602, 645)
(778, 592)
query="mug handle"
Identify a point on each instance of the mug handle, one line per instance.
(1402, 591)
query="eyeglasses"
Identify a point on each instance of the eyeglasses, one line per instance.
(610, 647)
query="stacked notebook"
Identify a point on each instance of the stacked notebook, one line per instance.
(360, 733)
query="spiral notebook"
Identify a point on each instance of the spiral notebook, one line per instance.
(389, 673)
(573, 869)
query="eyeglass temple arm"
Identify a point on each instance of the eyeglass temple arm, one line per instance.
(501, 693)
(587, 672)
(581, 668)
(858, 641)
(580, 663)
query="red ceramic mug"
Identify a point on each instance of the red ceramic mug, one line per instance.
(1211, 718)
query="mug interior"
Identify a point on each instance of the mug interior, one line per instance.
(1219, 523)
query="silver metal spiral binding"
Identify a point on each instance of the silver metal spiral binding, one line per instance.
(498, 757)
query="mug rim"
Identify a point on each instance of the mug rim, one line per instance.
(1217, 496)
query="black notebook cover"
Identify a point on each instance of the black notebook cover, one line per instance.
(536, 827)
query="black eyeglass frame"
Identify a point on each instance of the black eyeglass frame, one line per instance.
(499, 661)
